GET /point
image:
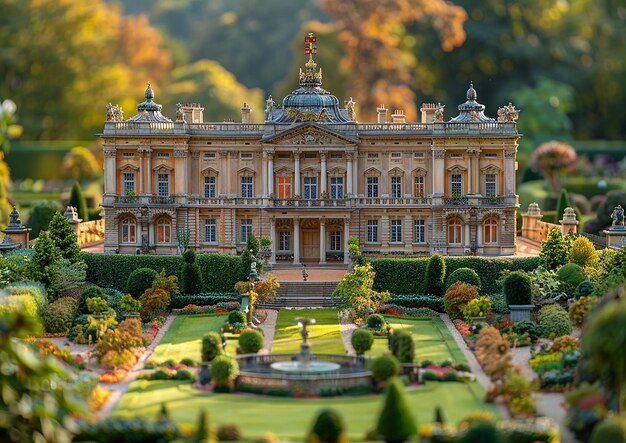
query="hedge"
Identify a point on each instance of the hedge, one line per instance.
(407, 275)
(433, 302)
(220, 272)
(205, 299)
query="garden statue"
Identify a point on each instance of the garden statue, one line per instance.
(618, 217)
(351, 112)
(269, 108)
(439, 112)
(304, 273)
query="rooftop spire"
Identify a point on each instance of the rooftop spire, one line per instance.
(149, 94)
(309, 78)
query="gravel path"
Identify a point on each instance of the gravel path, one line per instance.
(346, 327)
(269, 328)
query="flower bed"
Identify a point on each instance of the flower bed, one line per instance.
(403, 311)
(49, 348)
(113, 376)
(445, 371)
(218, 308)
(555, 363)
(151, 330)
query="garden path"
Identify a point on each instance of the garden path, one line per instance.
(549, 404)
(268, 327)
(346, 327)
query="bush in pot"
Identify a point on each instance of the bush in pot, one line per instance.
(518, 294)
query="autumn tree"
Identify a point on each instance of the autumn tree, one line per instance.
(553, 159)
(80, 164)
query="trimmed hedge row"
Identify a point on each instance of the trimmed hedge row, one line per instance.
(205, 299)
(433, 302)
(407, 275)
(220, 272)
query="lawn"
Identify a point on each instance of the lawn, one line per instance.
(290, 418)
(324, 336)
(433, 340)
(184, 337)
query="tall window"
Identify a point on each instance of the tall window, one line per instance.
(284, 241)
(372, 186)
(336, 187)
(418, 186)
(491, 187)
(310, 187)
(372, 231)
(284, 187)
(210, 231)
(129, 230)
(209, 187)
(246, 229)
(246, 187)
(163, 185)
(396, 187)
(128, 183)
(419, 231)
(163, 230)
(396, 231)
(490, 230)
(456, 184)
(455, 229)
(335, 241)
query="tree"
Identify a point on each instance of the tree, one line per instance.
(80, 164)
(41, 214)
(77, 200)
(435, 273)
(191, 278)
(252, 244)
(329, 427)
(355, 290)
(554, 250)
(395, 422)
(553, 159)
(64, 237)
(43, 267)
(204, 432)
(561, 205)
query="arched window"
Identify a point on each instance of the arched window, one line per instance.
(163, 230)
(129, 230)
(490, 230)
(455, 231)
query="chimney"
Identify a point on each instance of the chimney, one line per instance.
(428, 112)
(193, 112)
(245, 113)
(382, 114)
(398, 116)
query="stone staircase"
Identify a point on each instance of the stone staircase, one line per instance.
(310, 294)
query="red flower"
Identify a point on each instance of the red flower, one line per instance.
(221, 310)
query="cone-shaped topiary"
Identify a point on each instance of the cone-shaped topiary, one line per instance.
(466, 275)
(164, 414)
(191, 278)
(362, 340)
(563, 203)
(328, 428)
(64, 237)
(77, 200)
(139, 280)
(204, 433)
(583, 253)
(517, 289)
(43, 266)
(402, 346)
(439, 417)
(435, 273)
(395, 422)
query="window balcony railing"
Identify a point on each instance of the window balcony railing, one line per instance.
(392, 201)
(456, 201)
(308, 203)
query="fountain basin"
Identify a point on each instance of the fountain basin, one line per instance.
(312, 368)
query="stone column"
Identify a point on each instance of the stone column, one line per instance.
(569, 222)
(72, 217)
(270, 172)
(296, 241)
(346, 236)
(384, 185)
(141, 178)
(466, 234)
(109, 168)
(296, 176)
(149, 172)
(530, 223)
(509, 172)
(349, 158)
(223, 178)
(180, 171)
(273, 240)
(322, 241)
(355, 175)
(439, 173)
(229, 177)
(477, 173)
(407, 235)
(470, 174)
(264, 174)
(323, 178)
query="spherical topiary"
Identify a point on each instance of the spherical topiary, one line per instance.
(375, 321)
(554, 321)
(583, 289)
(230, 432)
(571, 275)
(611, 429)
(435, 273)
(385, 367)
(329, 427)
(466, 275)
(517, 288)
(481, 433)
(250, 341)
(139, 280)
(457, 297)
(402, 346)
(211, 346)
(237, 317)
(224, 370)
(362, 340)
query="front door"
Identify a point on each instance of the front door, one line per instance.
(311, 244)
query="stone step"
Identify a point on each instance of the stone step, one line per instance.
(304, 294)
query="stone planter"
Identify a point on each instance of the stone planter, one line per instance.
(478, 320)
(131, 314)
(520, 312)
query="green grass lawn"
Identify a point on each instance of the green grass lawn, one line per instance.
(184, 337)
(324, 336)
(291, 418)
(433, 340)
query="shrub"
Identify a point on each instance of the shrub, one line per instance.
(553, 320)
(402, 346)
(385, 367)
(499, 304)
(139, 280)
(40, 215)
(250, 341)
(376, 321)
(362, 340)
(211, 346)
(58, 317)
(554, 250)
(565, 343)
(24, 303)
(35, 289)
(611, 429)
(479, 307)
(131, 328)
(43, 267)
(114, 430)
(152, 301)
(481, 433)
(230, 432)
(583, 253)
(129, 304)
(64, 237)
(580, 308)
(584, 288)
(224, 370)
(97, 305)
(478, 417)
(571, 275)
(329, 427)
(395, 422)
(457, 297)
(356, 293)
(433, 302)
(178, 301)
(527, 327)
(191, 278)
(435, 273)
(517, 289)
(466, 275)
(86, 294)
(237, 317)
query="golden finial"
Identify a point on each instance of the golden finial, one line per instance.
(309, 47)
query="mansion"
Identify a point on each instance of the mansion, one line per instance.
(310, 177)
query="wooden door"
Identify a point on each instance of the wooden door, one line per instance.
(311, 244)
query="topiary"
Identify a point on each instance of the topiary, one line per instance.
(554, 250)
(328, 427)
(583, 253)
(191, 277)
(230, 432)
(44, 265)
(252, 244)
(64, 237)
(611, 429)
(385, 367)
(237, 317)
(481, 433)
(376, 321)
(139, 280)
(466, 275)
(362, 340)
(457, 297)
(77, 200)
(224, 370)
(517, 288)
(58, 316)
(571, 275)
(250, 341)
(395, 422)
(584, 288)
(435, 273)
(553, 320)
(402, 346)
(204, 432)
(527, 327)
(211, 346)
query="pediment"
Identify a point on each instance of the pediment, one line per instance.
(209, 171)
(128, 167)
(490, 169)
(163, 168)
(420, 171)
(283, 170)
(309, 134)
(457, 169)
(372, 171)
(246, 170)
(396, 171)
